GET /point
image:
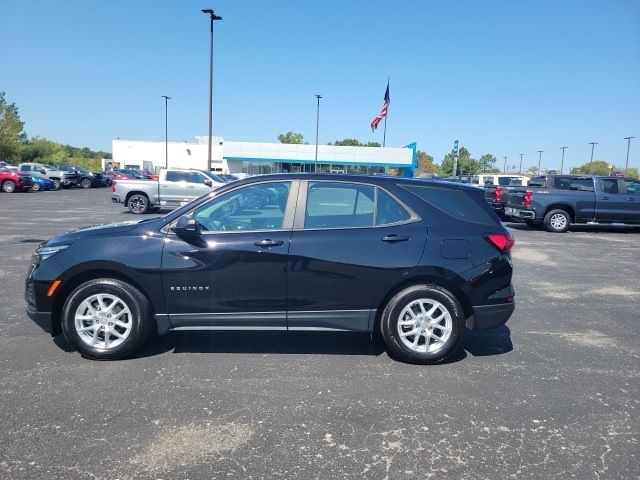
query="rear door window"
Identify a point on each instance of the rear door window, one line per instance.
(610, 185)
(339, 205)
(173, 176)
(389, 211)
(581, 184)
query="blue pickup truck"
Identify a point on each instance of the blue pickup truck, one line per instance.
(563, 200)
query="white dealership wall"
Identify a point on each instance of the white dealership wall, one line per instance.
(228, 156)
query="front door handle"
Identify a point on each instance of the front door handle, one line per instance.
(267, 242)
(396, 238)
(605, 198)
(631, 199)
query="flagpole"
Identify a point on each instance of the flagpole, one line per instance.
(384, 135)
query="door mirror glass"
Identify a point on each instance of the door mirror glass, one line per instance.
(208, 183)
(186, 225)
(43, 171)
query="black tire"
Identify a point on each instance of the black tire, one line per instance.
(56, 184)
(141, 324)
(35, 186)
(391, 316)
(85, 183)
(9, 186)
(557, 221)
(138, 203)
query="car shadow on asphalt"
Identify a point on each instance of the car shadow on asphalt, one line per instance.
(496, 341)
(581, 228)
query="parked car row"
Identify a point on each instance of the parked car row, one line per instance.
(557, 201)
(41, 177)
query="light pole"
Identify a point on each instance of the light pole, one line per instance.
(562, 161)
(626, 165)
(318, 97)
(213, 17)
(520, 169)
(166, 131)
(504, 169)
(593, 145)
(539, 160)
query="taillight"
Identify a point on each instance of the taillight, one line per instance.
(527, 199)
(502, 241)
(113, 186)
(497, 196)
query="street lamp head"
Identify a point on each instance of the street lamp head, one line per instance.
(165, 97)
(211, 13)
(318, 97)
(628, 138)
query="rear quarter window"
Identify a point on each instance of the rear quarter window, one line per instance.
(468, 206)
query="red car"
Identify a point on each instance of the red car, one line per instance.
(11, 180)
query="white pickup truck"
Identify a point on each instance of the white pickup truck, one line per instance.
(173, 189)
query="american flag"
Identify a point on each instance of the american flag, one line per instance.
(383, 112)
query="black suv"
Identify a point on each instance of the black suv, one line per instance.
(86, 179)
(418, 260)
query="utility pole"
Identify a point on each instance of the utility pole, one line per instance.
(626, 165)
(562, 161)
(593, 144)
(213, 17)
(520, 169)
(504, 170)
(540, 161)
(166, 132)
(318, 97)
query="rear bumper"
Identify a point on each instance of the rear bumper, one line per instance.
(490, 316)
(519, 213)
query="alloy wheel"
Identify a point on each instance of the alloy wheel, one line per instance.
(425, 325)
(103, 321)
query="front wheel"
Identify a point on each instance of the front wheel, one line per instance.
(35, 186)
(56, 184)
(9, 186)
(557, 221)
(422, 324)
(106, 319)
(85, 183)
(138, 204)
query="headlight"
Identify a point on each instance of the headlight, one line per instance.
(48, 251)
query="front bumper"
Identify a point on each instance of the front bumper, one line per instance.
(115, 199)
(43, 319)
(490, 316)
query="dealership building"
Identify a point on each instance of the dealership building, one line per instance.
(260, 158)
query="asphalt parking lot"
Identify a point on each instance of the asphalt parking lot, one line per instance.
(554, 395)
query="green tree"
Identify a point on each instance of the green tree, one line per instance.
(10, 129)
(597, 167)
(41, 150)
(425, 163)
(487, 162)
(291, 137)
(466, 164)
(631, 172)
(352, 142)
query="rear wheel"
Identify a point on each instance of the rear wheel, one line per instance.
(85, 183)
(56, 184)
(35, 186)
(557, 221)
(9, 186)
(106, 319)
(423, 324)
(138, 203)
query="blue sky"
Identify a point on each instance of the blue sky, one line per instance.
(504, 77)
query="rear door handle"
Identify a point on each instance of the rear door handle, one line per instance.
(267, 242)
(605, 198)
(396, 238)
(631, 199)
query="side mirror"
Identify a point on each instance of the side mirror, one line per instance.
(43, 171)
(208, 183)
(186, 225)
